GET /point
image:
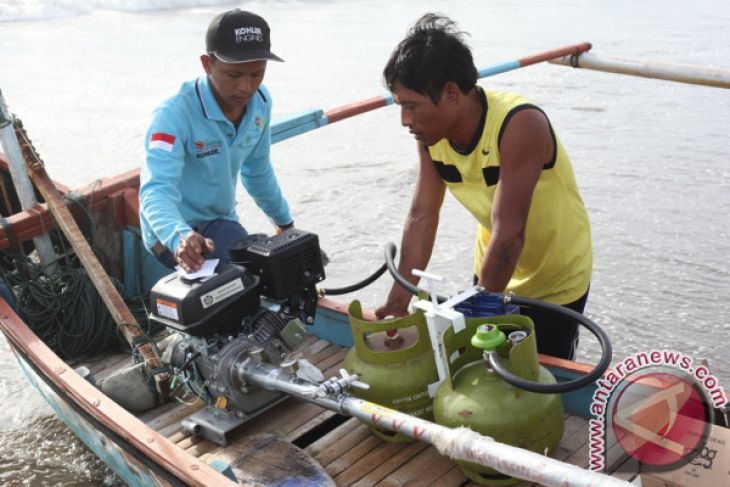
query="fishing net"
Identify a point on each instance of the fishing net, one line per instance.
(62, 306)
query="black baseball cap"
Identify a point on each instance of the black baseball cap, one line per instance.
(238, 36)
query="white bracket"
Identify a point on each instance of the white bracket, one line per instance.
(438, 318)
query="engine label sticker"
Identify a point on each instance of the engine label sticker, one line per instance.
(220, 293)
(167, 309)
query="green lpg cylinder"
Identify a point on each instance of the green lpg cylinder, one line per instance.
(395, 358)
(473, 395)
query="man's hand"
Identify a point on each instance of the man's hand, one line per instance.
(391, 309)
(190, 250)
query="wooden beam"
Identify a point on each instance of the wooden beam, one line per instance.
(95, 196)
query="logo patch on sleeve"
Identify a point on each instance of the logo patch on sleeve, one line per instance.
(162, 141)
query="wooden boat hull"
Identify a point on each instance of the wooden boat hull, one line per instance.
(136, 453)
(102, 442)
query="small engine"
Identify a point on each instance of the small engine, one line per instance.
(255, 309)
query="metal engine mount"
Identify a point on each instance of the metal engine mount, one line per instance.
(251, 311)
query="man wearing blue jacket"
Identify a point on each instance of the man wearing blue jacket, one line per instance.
(214, 129)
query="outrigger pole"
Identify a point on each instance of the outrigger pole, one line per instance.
(682, 73)
(314, 119)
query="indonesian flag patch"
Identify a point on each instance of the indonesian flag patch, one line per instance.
(163, 141)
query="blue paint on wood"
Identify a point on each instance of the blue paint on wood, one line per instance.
(7, 294)
(297, 124)
(224, 468)
(499, 68)
(286, 123)
(576, 402)
(102, 446)
(294, 131)
(333, 327)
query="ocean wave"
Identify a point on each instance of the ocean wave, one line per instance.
(29, 10)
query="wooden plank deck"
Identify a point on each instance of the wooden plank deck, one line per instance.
(344, 447)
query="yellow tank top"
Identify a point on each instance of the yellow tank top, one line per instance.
(556, 260)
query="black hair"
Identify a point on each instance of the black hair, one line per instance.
(432, 54)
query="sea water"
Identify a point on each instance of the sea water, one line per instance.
(651, 157)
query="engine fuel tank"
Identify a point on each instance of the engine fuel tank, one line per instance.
(203, 307)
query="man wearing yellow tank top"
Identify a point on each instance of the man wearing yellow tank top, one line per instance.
(500, 158)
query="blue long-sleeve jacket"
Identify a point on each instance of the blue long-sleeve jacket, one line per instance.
(194, 155)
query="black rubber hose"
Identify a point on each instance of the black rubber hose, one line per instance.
(390, 252)
(506, 375)
(358, 285)
(600, 368)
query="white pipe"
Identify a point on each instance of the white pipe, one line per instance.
(465, 444)
(21, 181)
(460, 443)
(683, 73)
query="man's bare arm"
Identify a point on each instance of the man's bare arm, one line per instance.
(525, 147)
(419, 232)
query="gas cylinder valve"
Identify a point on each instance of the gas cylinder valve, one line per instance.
(488, 338)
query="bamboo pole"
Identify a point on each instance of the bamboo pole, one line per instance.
(682, 73)
(314, 119)
(23, 186)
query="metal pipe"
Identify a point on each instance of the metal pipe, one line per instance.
(698, 75)
(274, 379)
(457, 443)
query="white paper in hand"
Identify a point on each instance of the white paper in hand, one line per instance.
(207, 270)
